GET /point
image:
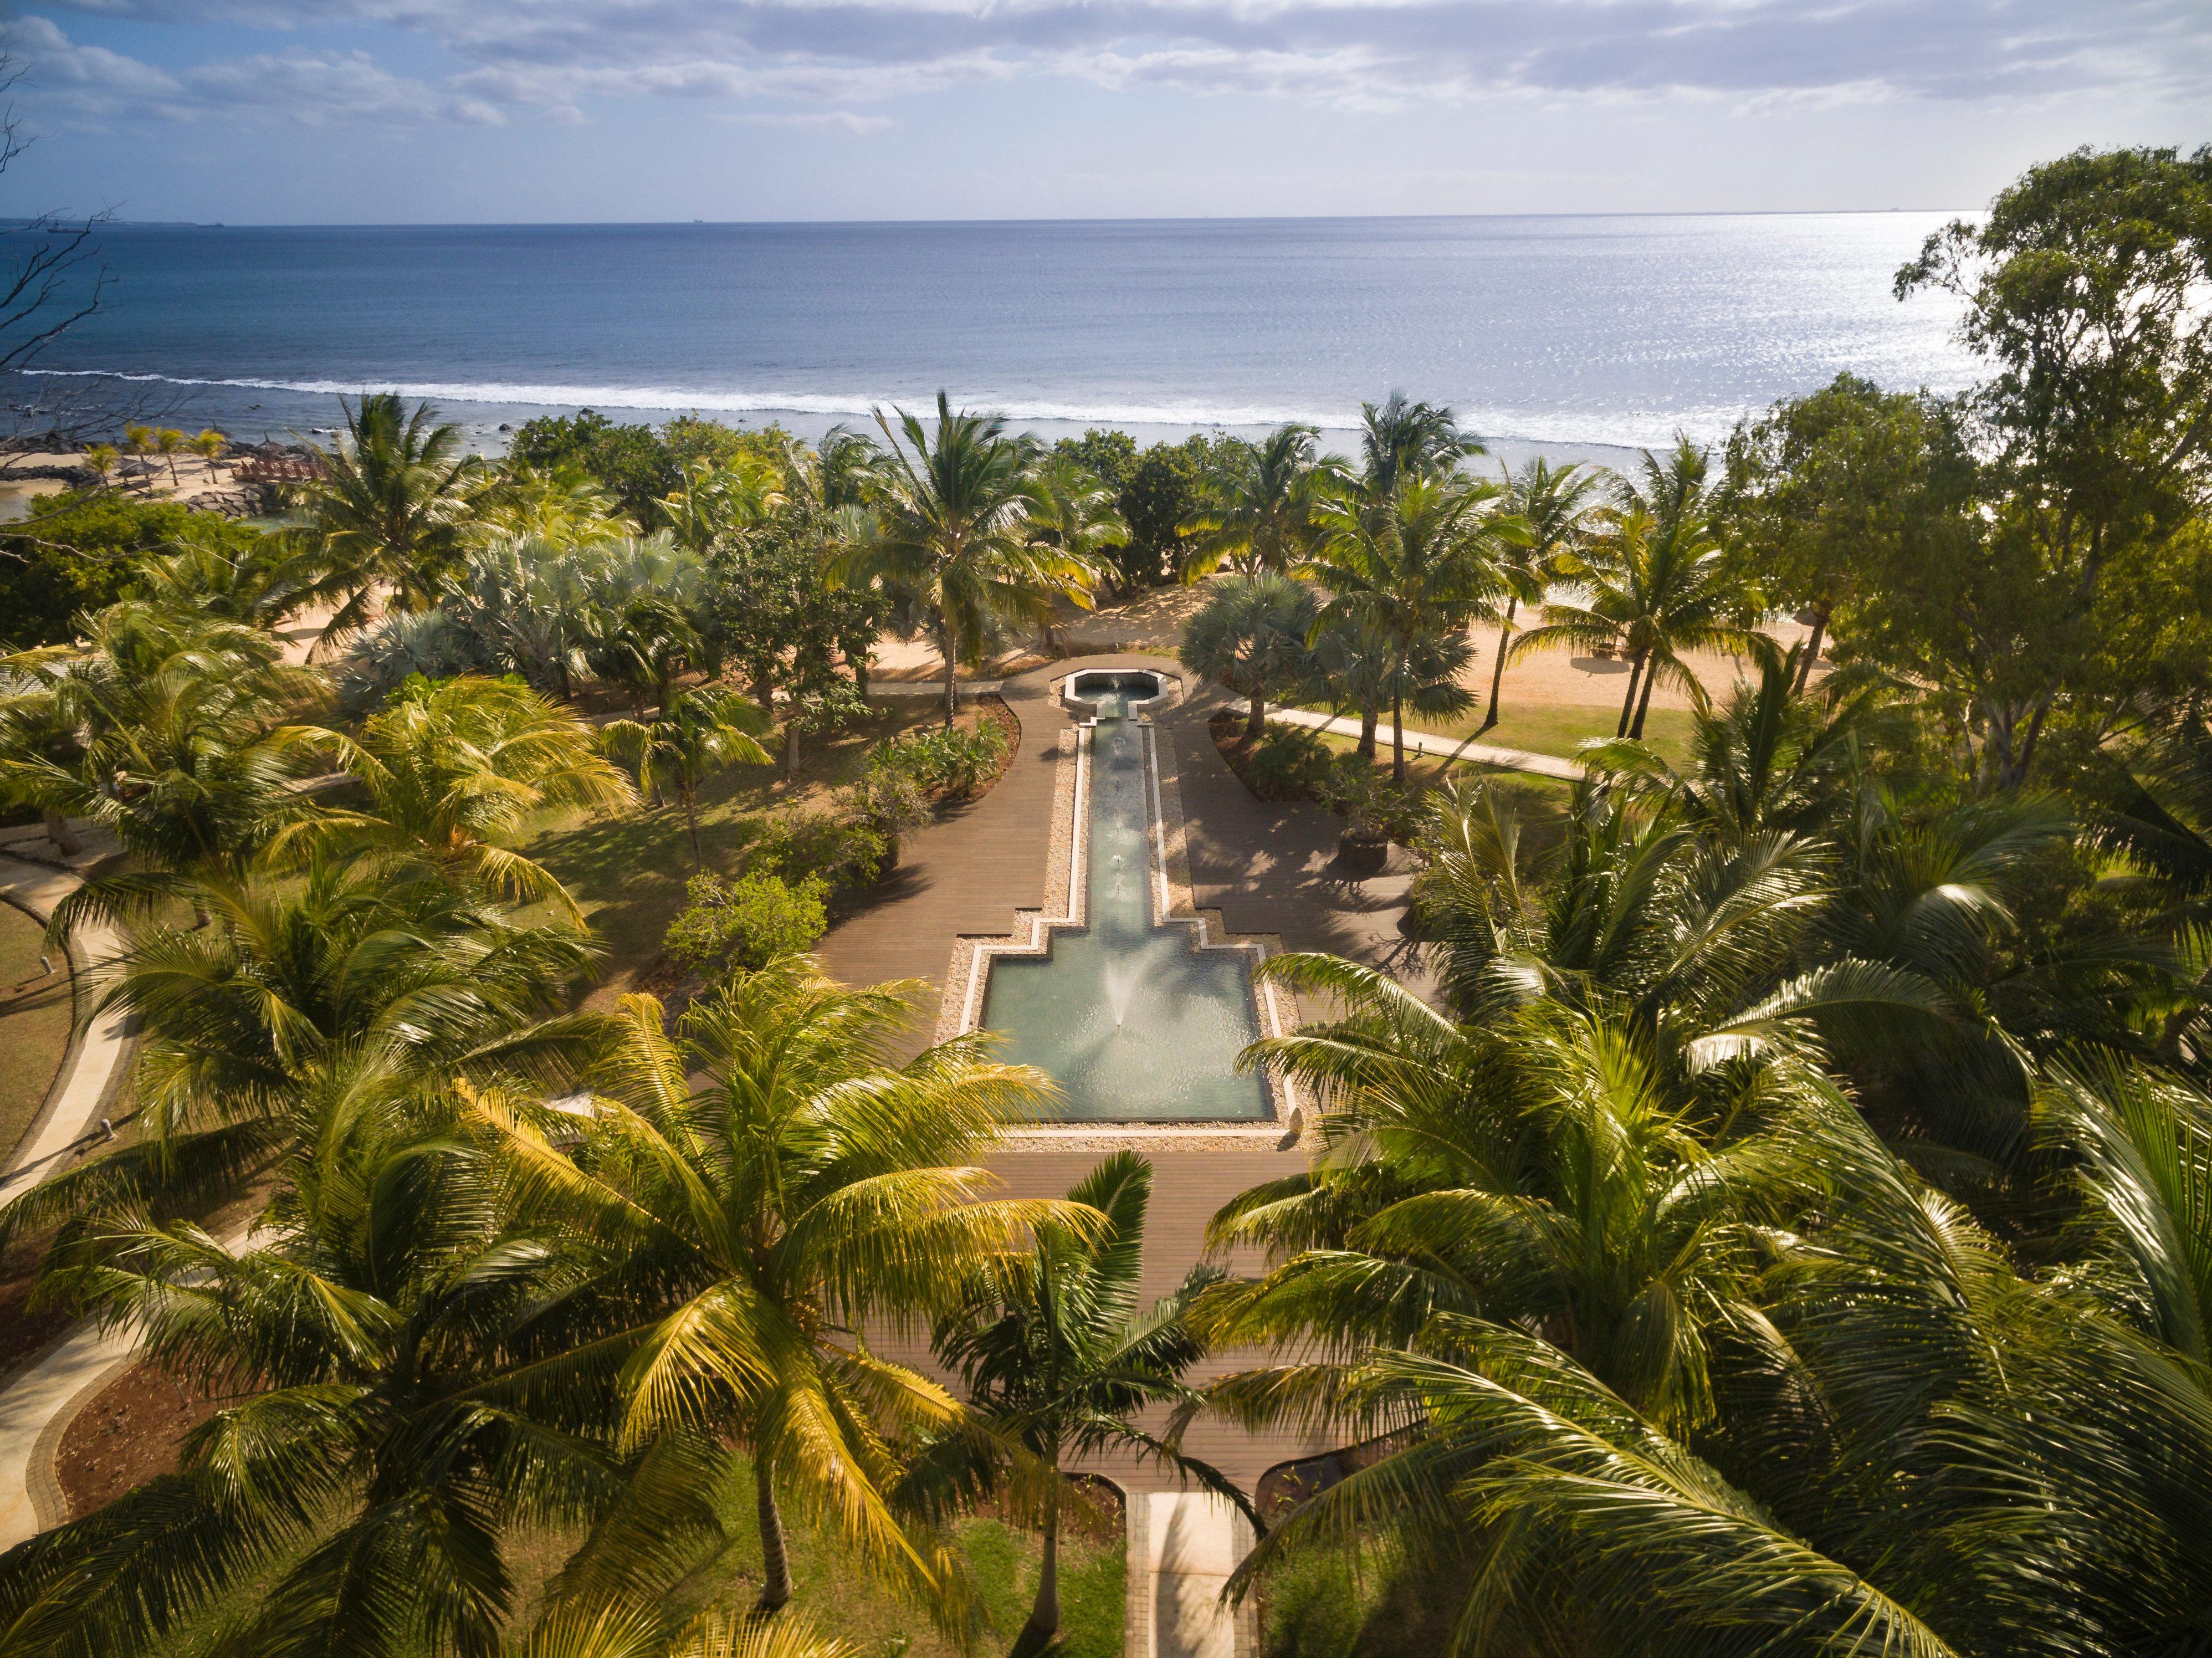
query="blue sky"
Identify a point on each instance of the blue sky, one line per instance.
(391, 111)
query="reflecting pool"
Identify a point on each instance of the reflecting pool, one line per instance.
(1129, 1018)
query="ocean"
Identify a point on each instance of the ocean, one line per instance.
(1581, 337)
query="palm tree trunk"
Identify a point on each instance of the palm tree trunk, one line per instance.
(1397, 736)
(1497, 669)
(1044, 1616)
(1628, 703)
(691, 823)
(1812, 647)
(791, 750)
(58, 832)
(951, 676)
(775, 1558)
(1256, 723)
(1369, 717)
(1644, 703)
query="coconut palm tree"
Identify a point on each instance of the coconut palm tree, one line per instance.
(1261, 504)
(953, 531)
(1413, 568)
(1057, 1357)
(170, 443)
(360, 1493)
(308, 994)
(1657, 592)
(450, 770)
(1251, 636)
(170, 737)
(1402, 441)
(209, 444)
(101, 458)
(695, 734)
(138, 443)
(565, 507)
(386, 513)
(1556, 505)
(750, 1223)
(715, 501)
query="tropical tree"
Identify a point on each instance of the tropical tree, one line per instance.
(362, 1494)
(642, 594)
(715, 501)
(169, 443)
(165, 729)
(303, 996)
(209, 444)
(450, 770)
(1073, 511)
(1261, 504)
(750, 1224)
(953, 529)
(1251, 636)
(563, 506)
(695, 734)
(101, 458)
(1057, 1357)
(138, 443)
(386, 513)
(1555, 504)
(1416, 566)
(1657, 593)
(1402, 441)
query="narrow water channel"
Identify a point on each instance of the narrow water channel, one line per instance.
(1130, 1020)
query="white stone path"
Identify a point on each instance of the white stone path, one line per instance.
(37, 1404)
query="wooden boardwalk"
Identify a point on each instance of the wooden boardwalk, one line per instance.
(1267, 867)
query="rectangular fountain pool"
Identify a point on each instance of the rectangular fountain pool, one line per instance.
(1127, 1016)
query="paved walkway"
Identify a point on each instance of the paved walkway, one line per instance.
(39, 1403)
(1451, 748)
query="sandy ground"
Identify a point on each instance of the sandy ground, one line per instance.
(1154, 621)
(194, 478)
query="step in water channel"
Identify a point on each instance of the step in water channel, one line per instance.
(1133, 1021)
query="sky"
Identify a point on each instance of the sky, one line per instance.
(568, 111)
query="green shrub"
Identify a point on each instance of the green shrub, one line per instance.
(84, 549)
(845, 852)
(725, 925)
(953, 763)
(1290, 762)
(888, 800)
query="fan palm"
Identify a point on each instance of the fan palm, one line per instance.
(1058, 1357)
(695, 735)
(1261, 506)
(1657, 592)
(362, 1494)
(952, 531)
(640, 592)
(164, 729)
(1555, 504)
(1417, 565)
(749, 1224)
(1251, 636)
(388, 512)
(450, 770)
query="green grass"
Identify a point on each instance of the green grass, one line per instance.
(626, 873)
(1556, 728)
(36, 1013)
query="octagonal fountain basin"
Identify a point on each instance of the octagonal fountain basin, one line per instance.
(1128, 1016)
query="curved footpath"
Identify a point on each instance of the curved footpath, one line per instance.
(38, 1405)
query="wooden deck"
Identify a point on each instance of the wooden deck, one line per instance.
(1267, 867)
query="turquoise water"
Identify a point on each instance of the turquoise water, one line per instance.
(1131, 1021)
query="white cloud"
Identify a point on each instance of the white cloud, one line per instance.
(554, 55)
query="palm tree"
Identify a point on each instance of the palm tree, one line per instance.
(100, 460)
(1555, 504)
(714, 503)
(1251, 636)
(209, 444)
(953, 530)
(362, 1493)
(452, 769)
(1261, 507)
(1402, 441)
(388, 511)
(169, 736)
(1411, 569)
(750, 1223)
(1658, 592)
(170, 443)
(306, 995)
(1057, 1358)
(565, 507)
(1073, 513)
(695, 734)
(640, 592)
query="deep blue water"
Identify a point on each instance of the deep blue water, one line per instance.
(1568, 332)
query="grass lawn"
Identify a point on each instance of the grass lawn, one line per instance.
(36, 1013)
(626, 873)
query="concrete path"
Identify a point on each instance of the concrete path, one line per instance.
(39, 1402)
(1451, 748)
(1183, 1548)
